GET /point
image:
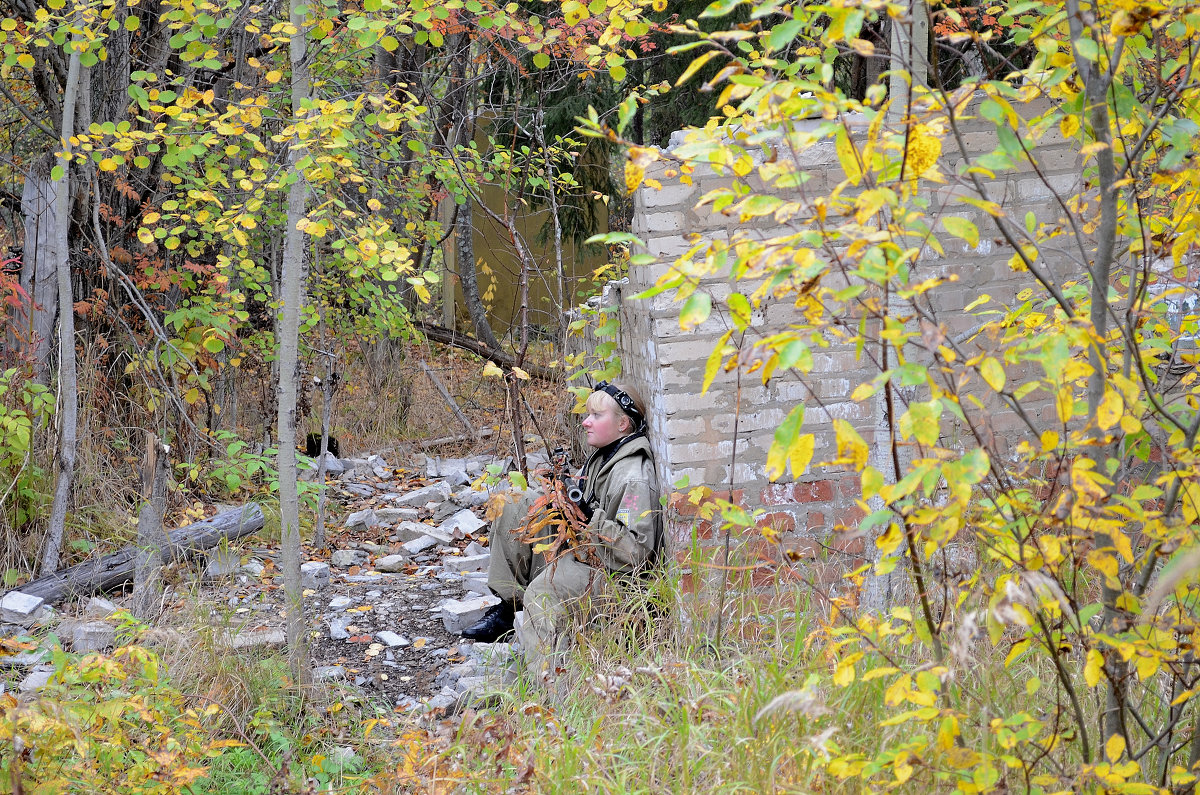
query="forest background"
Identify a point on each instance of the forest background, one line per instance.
(212, 201)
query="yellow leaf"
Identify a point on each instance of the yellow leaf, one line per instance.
(1064, 403)
(848, 157)
(1123, 545)
(191, 396)
(993, 373)
(521, 374)
(1114, 748)
(1147, 666)
(844, 674)
(1109, 412)
(491, 369)
(695, 66)
(274, 76)
(1093, 668)
(634, 174)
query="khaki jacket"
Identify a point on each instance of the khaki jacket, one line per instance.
(627, 524)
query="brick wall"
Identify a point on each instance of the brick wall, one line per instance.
(720, 439)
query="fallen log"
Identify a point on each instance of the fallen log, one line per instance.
(117, 569)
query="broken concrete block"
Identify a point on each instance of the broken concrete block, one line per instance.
(475, 548)
(359, 489)
(36, 679)
(361, 519)
(222, 562)
(463, 523)
(99, 607)
(328, 673)
(374, 461)
(418, 545)
(93, 636)
(457, 614)
(469, 498)
(314, 574)
(333, 465)
(253, 568)
(391, 516)
(434, 492)
(339, 627)
(345, 558)
(391, 563)
(391, 639)
(477, 585)
(266, 638)
(462, 565)
(20, 608)
(409, 531)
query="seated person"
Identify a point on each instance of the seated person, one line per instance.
(623, 538)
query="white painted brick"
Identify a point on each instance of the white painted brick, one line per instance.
(667, 195)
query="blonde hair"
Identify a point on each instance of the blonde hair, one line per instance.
(599, 401)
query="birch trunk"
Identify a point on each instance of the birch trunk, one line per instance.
(152, 543)
(68, 391)
(291, 291)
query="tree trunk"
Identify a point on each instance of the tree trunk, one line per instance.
(326, 417)
(470, 281)
(39, 262)
(292, 292)
(152, 543)
(68, 387)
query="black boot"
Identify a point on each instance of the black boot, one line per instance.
(495, 624)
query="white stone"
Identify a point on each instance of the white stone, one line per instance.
(391, 639)
(314, 574)
(345, 558)
(419, 545)
(253, 568)
(462, 524)
(93, 636)
(409, 531)
(20, 608)
(475, 548)
(333, 465)
(461, 565)
(477, 585)
(377, 461)
(364, 519)
(469, 498)
(434, 492)
(391, 563)
(457, 614)
(339, 628)
(340, 602)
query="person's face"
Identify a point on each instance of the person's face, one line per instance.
(605, 425)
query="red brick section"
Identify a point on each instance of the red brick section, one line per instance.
(797, 493)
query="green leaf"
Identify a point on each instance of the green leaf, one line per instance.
(541, 60)
(1086, 49)
(922, 422)
(963, 229)
(696, 310)
(790, 449)
(739, 307)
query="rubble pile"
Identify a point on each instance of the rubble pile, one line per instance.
(406, 572)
